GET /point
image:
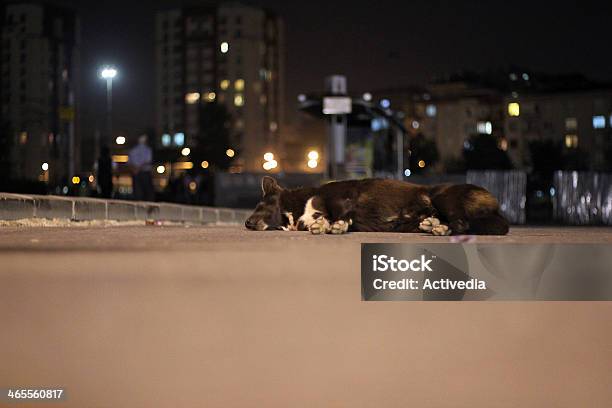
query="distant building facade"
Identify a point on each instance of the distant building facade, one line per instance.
(576, 120)
(230, 54)
(516, 110)
(39, 67)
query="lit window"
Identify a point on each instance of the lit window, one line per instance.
(484, 128)
(514, 109)
(166, 139)
(224, 84)
(599, 122)
(571, 124)
(239, 84)
(431, 110)
(238, 100)
(571, 141)
(192, 97)
(224, 47)
(179, 139)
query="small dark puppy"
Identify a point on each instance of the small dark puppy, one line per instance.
(378, 205)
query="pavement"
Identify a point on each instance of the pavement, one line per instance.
(202, 316)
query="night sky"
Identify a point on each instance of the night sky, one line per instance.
(377, 44)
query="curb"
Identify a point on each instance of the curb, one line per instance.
(20, 206)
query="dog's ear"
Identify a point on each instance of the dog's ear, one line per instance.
(269, 186)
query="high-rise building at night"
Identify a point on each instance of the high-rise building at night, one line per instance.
(39, 68)
(231, 54)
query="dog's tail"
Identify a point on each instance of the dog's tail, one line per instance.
(488, 224)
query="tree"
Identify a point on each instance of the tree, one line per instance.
(546, 156)
(6, 145)
(423, 151)
(481, 152)
(214, 138)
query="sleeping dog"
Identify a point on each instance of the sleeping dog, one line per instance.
(378, 205)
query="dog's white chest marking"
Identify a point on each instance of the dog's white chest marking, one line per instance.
(308, 218)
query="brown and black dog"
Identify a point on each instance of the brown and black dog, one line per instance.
(378, 205)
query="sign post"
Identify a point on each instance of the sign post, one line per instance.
(337, 105)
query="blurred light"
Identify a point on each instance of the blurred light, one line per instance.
(23, 137)
(377, 124)
(76, 180)
(385, 103)
(224, 84)
(301, 98)
(525, 77)
(108, 73)
(210, 96)
(599, 122)
(571, 123)
(192, 97)
(230, 152)
(571, 141)
(45, 166)
(313, 155)
(407, 172)
(367, 97)
(503, 144)
(514, 109)
(415, 124)
(161, 169)
(183, 165)
(273, 126)
(204, 164)
(239, 84)
(185, 151)
(166, 139)
(513, 77)
(269, 156)
(421, 163)
(552, 191)
(121, 158)
(91, 178)
(431, 110)
(484, 128)
(120, 140)
(224, 47)
(193, 186)
(238, 100)
(65, 189)
(179, 139)
(312, 164)
(269, 165)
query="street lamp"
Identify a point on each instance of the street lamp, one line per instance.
(108, 73)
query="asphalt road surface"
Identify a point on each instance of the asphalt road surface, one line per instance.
(218, 316)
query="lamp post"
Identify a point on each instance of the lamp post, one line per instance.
(108, 73)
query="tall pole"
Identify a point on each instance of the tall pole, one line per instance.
(109, 110)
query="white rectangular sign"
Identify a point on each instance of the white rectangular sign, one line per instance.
(337, 105)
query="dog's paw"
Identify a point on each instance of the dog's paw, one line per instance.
(319, 226)
(340, 227)
(428, 224)
(441, 230)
